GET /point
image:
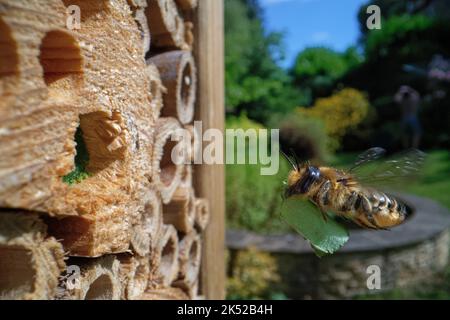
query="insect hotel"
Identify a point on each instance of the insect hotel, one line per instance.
(95, 202)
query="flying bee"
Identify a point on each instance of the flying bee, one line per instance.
(349, 193)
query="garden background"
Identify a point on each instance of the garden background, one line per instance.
(329, 105)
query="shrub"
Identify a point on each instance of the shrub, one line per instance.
(252, 275)
(340, 113)
(253, 200)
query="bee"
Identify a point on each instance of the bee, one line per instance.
(349, 194)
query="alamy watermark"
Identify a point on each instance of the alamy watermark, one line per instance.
(374, 279)
(73, 20)
(374, 20)
(251, 146)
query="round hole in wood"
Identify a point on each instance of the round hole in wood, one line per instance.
(100, 289)
(193, 258)
(167, 166)
(9, 61)
(186, 83)
(61, 61)
(17, 273)
(168, 256)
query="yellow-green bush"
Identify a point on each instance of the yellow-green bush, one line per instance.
(340, 113)
(252, 275)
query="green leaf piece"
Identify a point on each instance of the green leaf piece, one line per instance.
(325, 237)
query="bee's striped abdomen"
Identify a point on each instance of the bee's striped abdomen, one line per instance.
(377, 210)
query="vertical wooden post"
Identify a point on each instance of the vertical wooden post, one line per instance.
(210, 179)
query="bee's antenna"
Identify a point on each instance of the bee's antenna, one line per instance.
(293, 164)
(294, 155)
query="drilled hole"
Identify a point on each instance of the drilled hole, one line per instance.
(79, 173)
(193, 254)
(167, 166)
(168, 256)
(61, 61)
(154, 89)
(186, 84)
(16, 273)
(9, 62)
(100, 289)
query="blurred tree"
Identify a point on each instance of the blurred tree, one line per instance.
(319, 68)
(398, 54)
(254, 81)
(389, 8)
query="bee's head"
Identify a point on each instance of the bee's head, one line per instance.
(300, 178)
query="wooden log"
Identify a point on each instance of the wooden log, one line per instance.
(92, 79)
(134, 274)
(187, 5)
(98, 279)
(165, 23)
(180, 211)
(166, 172)
(92, 236)
(138, 10)
(178, 74)
(209, 181)
(186, 176)
(194, 150)
(202, 213)
(189, 37)
(191, 290)
(37, 105)
(164, 294)
(189, 258)
(9, 64)
(147, 228)
(157, 89)
(164, 263)
(30, 262)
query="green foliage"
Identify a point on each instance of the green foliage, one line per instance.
(325, 235)
(79, 173)
(255, 84)
(341, 112)
(252, 275)
(399, 32)
(389, 8)
(319, 68)
(253, 200)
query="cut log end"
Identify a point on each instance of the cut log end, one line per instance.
(167, 175)
(164, 294)
(148, 224)
(167, 266)
(180, 211)
(179, 77)
(202, 214)
(165, 24)
(99, 279)
(30, 263)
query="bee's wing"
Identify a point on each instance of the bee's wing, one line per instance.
(367, 156)
(394, 171)
(324, 236)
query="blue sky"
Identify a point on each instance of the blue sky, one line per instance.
(332, 23)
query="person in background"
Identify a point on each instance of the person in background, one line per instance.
(409, 101)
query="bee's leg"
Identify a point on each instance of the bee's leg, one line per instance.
(324, 215)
